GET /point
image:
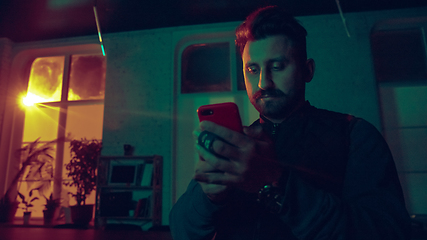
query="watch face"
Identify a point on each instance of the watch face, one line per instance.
(271, 198)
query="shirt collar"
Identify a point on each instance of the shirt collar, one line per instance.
(299, 111)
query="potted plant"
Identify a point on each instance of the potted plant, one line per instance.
(27, 205)
(7, 209)
(50, 209)
(34, 155)
(82, 170)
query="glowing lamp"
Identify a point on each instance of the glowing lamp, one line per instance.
(27, 101)
(32, 99)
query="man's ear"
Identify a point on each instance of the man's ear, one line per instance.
(309, 67)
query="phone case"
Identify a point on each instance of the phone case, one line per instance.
(224, 114)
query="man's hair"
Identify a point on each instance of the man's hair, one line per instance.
(271, 21)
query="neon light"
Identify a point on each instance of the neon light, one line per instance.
(342, 18)
(99, 30)
(102, 48)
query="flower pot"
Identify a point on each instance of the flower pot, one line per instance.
(48, 216)
(7, 212)
(81, 215)
(27, 216)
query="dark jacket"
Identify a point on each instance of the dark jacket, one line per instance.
(340, 183)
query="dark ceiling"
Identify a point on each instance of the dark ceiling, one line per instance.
(33, 20)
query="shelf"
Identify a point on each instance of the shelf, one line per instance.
(128, 184)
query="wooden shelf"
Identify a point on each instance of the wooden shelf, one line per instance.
(116, 202)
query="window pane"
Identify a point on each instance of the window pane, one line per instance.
(38, 205)
(37, 179)
(399, 56)
(45, 81)
(40, 122)
(206, 68)
(68, 200)
(85, 121)
(87, 77)
(65, 160)
(240, 78)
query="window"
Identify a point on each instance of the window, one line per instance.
(399, 55)
(65, 96)
(206, 67)
(399, 50)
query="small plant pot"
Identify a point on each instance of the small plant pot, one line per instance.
(81, 215)
(27, 216)
(48, 216)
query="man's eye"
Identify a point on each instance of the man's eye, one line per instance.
(277, 66)
(252, 70)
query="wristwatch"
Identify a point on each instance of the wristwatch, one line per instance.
(271, 197)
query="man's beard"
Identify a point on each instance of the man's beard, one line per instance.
(279, 107)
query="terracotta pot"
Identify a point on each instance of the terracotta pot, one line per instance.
(81, 215)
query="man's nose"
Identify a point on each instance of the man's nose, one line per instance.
(265, 80)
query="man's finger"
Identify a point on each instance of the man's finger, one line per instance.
(219, 178)
(216, 162)
(230, 136)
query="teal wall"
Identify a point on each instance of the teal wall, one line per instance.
(139, 101)
(138, 98)
(140, 81)
(344, 78)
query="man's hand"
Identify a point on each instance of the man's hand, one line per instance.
(216, 192)
(249, 160)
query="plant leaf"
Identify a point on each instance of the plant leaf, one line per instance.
(21, 196)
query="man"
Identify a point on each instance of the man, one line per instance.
(298, 172)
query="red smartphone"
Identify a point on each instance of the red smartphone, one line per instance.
(224, 114)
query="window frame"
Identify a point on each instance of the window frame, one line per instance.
(182, 40)
(189, 39)
(22, 58)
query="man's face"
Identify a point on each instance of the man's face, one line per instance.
(274, 76)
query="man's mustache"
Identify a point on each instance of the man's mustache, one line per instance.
(268, 93)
